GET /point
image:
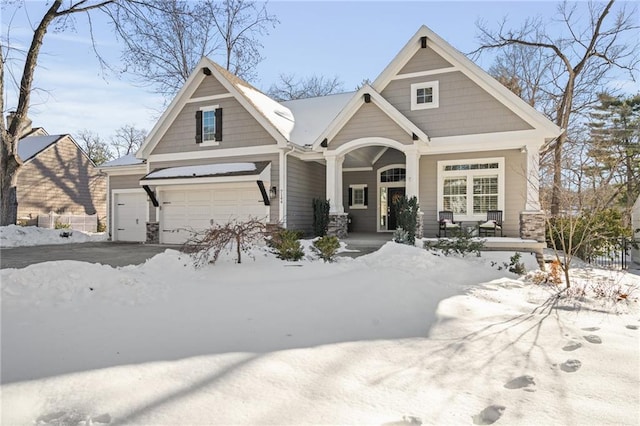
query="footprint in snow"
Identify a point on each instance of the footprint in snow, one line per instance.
(592, 338)
(406, 421)
(591, 328)
(572, 346)
(632, 327)
(72, 417)
(525, 382)
(571, 365)
(489, 415)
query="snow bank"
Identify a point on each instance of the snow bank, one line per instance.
(15, 236)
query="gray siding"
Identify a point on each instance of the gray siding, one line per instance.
(275, 171)
(515, 188)
(464, 107)
(306, 180)
(63, 180)
(425, 60)
(209, 86)
(370, 121)
(239, 129)
(365, 220)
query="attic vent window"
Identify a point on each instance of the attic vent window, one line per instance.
(425, 95)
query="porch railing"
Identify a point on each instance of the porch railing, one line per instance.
(614, 254)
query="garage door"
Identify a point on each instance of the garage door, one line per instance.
(130, 217)
(185, 211)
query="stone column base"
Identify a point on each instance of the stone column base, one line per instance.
(337, 225)
(153, 232)
(420, 225)
(532, 226)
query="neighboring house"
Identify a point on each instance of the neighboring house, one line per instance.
(57, 176)
(635, 225)
(432, 125)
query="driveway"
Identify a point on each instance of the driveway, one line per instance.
(107, 253)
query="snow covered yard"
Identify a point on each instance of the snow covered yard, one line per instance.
(397, 337)
(17, 236)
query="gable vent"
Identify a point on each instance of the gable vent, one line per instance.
(423, 42)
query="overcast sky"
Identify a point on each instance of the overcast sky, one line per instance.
(353, 40)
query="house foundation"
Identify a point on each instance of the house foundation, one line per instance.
(338, 223)
(153, 232)
(532, 227)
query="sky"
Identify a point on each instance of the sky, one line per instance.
(351, 40)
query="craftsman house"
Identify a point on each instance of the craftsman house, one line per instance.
(432, 125)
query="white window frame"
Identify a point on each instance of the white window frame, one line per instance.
(354, 188)
(470, 174)
(210, 142)
(435, 103)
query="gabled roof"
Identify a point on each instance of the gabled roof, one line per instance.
(276, 119)
(354, 104)
(125, 160)
(473, 72)
(31, 146)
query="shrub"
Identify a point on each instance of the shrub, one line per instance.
(407, 217)
(320, 217)
(401, 236)
(101, 226)
(327, 247)
(287, 245)
(462, 244)
(206, 246)
(514, 266)
(60, 225)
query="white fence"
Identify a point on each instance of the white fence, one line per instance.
(86, 223)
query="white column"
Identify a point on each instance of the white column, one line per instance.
(533, 178)
(412, 172)
(334, 182)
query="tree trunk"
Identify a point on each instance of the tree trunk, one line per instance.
(8, 183)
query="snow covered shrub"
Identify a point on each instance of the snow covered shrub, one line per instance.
(515, 266)
(407, 217)
(286, 244)
(463, 244)
(206, 246)
(326, 247)
(401, 236)
(555, 274)
(320, 217)
(60, 225)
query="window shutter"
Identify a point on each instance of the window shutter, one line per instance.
(366, 196)
(350, 196)
(198, 126)
(218, 124)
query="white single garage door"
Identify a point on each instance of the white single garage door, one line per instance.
(130, 216)
(185, 211)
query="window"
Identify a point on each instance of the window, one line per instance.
(393, 175)
(209, 125)
(358, 196)
(469, 188)
(424, 95)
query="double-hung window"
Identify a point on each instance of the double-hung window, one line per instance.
(209, 125)
(470, 188)
(358, 196)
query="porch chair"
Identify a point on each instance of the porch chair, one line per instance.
(446, 223)
(492, 225)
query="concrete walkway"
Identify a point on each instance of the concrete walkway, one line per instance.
(365, 243)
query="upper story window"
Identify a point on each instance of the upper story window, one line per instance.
(425, 95)
(209, 125)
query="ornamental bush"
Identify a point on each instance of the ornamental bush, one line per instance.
(327, 247)
(320, 217)
(407, 217)
(286, 244)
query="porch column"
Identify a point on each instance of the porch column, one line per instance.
(533, 178)
(412, 171)
(334, 182)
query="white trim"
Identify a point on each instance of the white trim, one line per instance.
(113, 210)
(368, 141)
(379, 155)
(217, 153)
(353, 188)
(425, 73)
(484, 142)
(208, 142)
(265, 176)
(357, 169)
(441, 175)
(124, 170)
(435, 95)
(380, 185)
(208, 98)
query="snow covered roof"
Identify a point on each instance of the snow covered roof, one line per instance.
(208, 170)
(30, 146)
(313, 115)
(279, 115)
(127, 160)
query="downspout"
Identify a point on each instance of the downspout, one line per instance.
(283, 185)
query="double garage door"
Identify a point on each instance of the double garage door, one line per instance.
(184, 211)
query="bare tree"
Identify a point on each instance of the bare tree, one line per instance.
(289, 87)
(582, 62)
(165, 39)
(10, 133)
(97, 149)
(127, 140)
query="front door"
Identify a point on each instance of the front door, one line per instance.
(393, 194)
